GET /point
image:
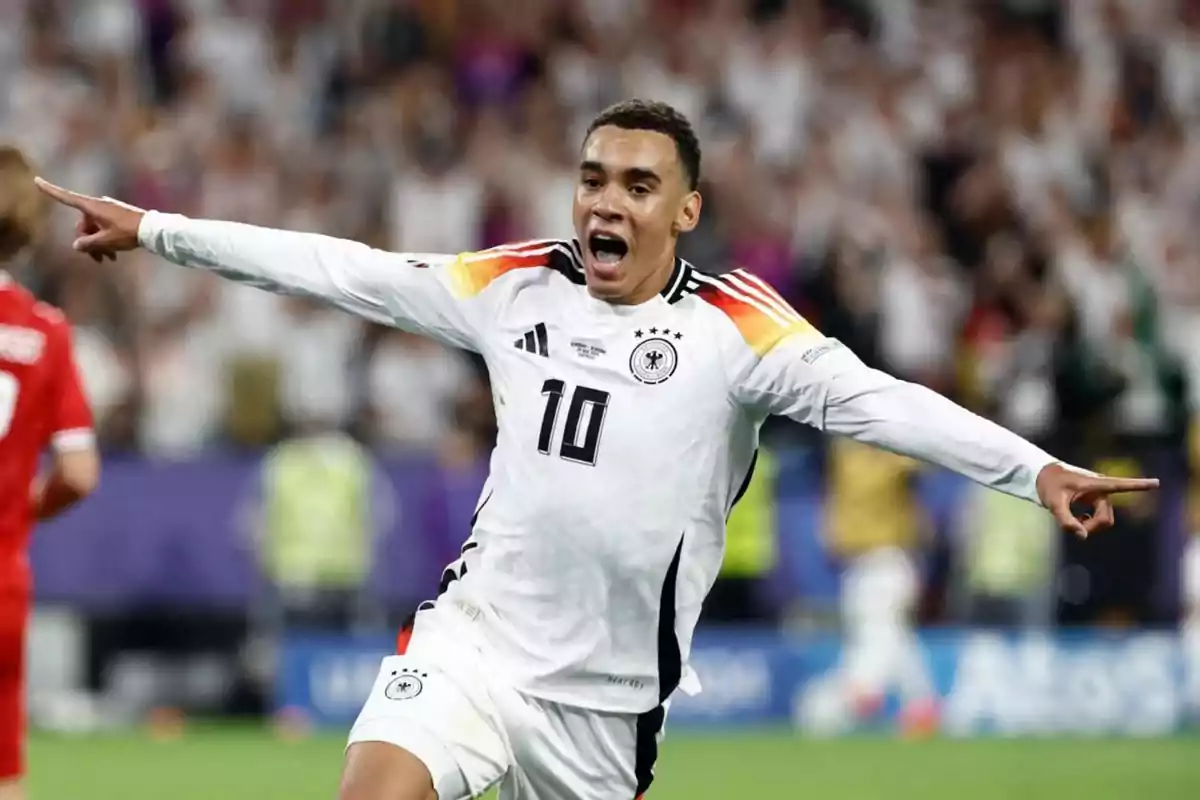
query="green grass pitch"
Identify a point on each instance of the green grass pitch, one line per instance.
(247, 764)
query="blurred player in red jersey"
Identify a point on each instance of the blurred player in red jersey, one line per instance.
(41, 407)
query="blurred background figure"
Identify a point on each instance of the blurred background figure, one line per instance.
(1191, 588)
(1008, 561)
(875, 528)
(881, 654)
(321, 510)
(742, 593)
(50, 461)
(318, 529)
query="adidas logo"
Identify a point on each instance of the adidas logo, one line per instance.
(534, 341)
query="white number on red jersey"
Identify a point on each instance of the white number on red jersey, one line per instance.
(9, 389)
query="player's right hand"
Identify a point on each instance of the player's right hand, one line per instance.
(106, 226)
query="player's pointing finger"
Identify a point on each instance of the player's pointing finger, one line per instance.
(1125, 484)
(64, 196)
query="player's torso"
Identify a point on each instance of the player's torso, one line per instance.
(614, 447)
(26, 387)
(608, 414)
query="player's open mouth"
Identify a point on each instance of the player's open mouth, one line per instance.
(607, 249)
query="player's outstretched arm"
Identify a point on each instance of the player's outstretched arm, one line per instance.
(818, 381)
(879, 409)
(421, 293)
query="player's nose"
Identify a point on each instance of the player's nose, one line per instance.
(607, 214)
(608, 206)
(607, 210)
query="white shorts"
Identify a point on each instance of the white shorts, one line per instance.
(472, 730)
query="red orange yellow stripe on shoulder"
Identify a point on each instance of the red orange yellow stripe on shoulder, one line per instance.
(760, 314)
(474, 272)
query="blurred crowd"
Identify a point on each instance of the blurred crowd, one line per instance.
(995, 199)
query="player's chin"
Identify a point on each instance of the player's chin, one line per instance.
(605, 280)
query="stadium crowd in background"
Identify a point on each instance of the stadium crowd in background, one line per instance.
(994, 199)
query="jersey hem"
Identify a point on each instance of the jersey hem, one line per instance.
(572, 700)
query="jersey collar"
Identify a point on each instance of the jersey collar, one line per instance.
(682, 282)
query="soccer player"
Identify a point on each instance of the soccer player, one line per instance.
(41, 406)
(629, 389)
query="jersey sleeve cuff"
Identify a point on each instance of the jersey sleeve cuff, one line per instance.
(148, 229)
(1035, 461)
(73, 439)
(153, 226)
(1039, 462)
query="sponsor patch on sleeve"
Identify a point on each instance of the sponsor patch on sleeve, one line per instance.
(820, 351)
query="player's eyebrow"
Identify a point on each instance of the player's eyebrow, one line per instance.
(631, 175)
(642, 175)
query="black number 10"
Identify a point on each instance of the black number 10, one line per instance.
(572, 449)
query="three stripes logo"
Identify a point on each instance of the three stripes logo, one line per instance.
(535, 341)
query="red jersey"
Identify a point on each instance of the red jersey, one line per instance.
(41, 405)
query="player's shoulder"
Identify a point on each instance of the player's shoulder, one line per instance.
(535, 260)
(761, 317)
(51, 321)
(22, 307)
(51, 316)
(28, 327)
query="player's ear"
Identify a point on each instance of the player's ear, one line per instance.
(689, 213)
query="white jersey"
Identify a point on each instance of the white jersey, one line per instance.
(625, 435)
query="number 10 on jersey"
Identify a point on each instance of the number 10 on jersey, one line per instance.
(576, 445)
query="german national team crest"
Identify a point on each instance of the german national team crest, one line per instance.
(653, 360)
(405, 685)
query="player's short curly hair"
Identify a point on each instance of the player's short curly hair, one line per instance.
(650, 115)
(22, 207)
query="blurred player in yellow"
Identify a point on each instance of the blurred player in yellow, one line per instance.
(873, 525)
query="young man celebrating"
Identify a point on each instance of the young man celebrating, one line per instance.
(629, 390)
(41, 406)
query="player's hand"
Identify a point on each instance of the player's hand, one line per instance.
(106, 226)
(1059, 488)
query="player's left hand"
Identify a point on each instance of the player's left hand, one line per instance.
(1059, 488)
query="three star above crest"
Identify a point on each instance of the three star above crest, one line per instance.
(639, 333)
